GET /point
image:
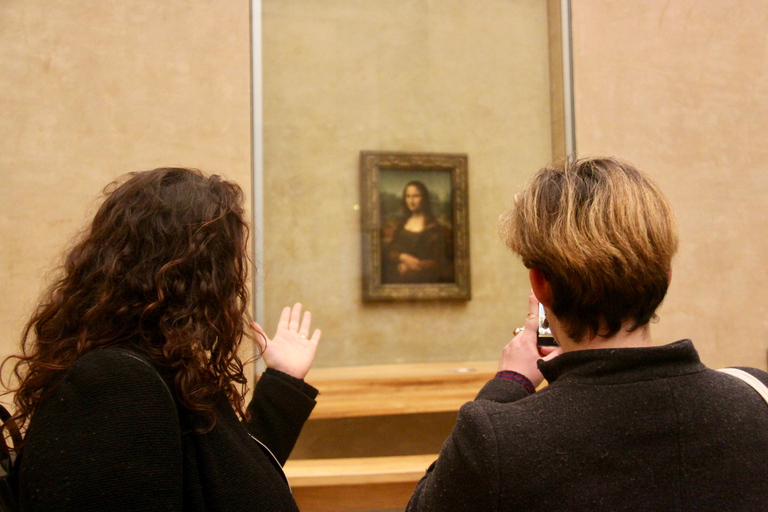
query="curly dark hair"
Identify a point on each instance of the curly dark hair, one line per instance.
(162, 270)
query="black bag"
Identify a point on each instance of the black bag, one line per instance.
(9, 463)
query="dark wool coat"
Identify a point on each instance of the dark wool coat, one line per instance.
(634, 429)
(109, 438)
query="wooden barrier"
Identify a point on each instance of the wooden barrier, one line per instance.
(397, 389)
(355, 483)
(323, 485)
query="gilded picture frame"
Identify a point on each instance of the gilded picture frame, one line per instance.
(415, 226)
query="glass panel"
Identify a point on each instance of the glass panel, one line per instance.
(417, 76)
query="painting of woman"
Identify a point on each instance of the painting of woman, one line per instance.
(420, 247)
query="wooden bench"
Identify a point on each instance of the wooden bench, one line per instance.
(355, 483)
(378, 482)
(397, 389)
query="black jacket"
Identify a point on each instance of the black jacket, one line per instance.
(638, 429)
(109, 438)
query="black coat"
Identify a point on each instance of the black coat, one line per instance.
(109, 438)
(637, 429)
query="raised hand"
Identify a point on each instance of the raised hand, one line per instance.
(290, 350)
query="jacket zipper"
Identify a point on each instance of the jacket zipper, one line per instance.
(277, 462)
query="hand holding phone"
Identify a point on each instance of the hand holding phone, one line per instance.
(521, 355)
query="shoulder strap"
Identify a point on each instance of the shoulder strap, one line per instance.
(13, 429)
(137, 357)
(9, 461)
(749, 379)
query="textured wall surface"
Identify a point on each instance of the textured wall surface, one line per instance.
(681, 90)
(92, 90)
(397, 75)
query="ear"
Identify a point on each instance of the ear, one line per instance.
(541, 288)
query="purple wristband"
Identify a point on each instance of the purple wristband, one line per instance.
(519, 378)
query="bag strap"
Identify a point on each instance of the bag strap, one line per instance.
(13, 429)
(7, 455)
(9, 460)
(750, 379)
(137, 357)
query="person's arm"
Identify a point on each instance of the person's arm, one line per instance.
(465, 477)
(466, 474)
(282, 401)
(521, 355)
(107, 438)
(280, 406)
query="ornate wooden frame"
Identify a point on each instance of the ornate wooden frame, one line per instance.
(371, 165)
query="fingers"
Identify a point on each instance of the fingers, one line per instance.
(295, 316)
(285, 318)
(556, 352)
(531, 327)
(292, 320)
(546, 350)
(304, 329)
(305, 321)
(532, 317)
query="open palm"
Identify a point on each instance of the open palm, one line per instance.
(291, 350)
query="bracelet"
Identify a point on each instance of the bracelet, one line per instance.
(519, 378)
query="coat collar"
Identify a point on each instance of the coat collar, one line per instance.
(617, 365)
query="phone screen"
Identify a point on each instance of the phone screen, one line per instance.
(544, 336)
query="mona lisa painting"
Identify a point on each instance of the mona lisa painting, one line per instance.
(414, 226)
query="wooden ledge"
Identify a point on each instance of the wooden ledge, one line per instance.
(397, 389)
(357, 471)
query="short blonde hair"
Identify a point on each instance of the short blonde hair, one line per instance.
(603, 235)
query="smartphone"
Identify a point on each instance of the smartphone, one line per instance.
(544, 336)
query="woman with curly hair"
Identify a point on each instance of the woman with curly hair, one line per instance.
(129, 384)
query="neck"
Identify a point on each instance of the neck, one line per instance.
(640, 337)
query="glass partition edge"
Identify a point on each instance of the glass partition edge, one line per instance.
(568, 99)
(257, 166)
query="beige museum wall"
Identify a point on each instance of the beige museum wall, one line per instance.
(397, 75)
(92, 90)
(681, 89)
(89, 91)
